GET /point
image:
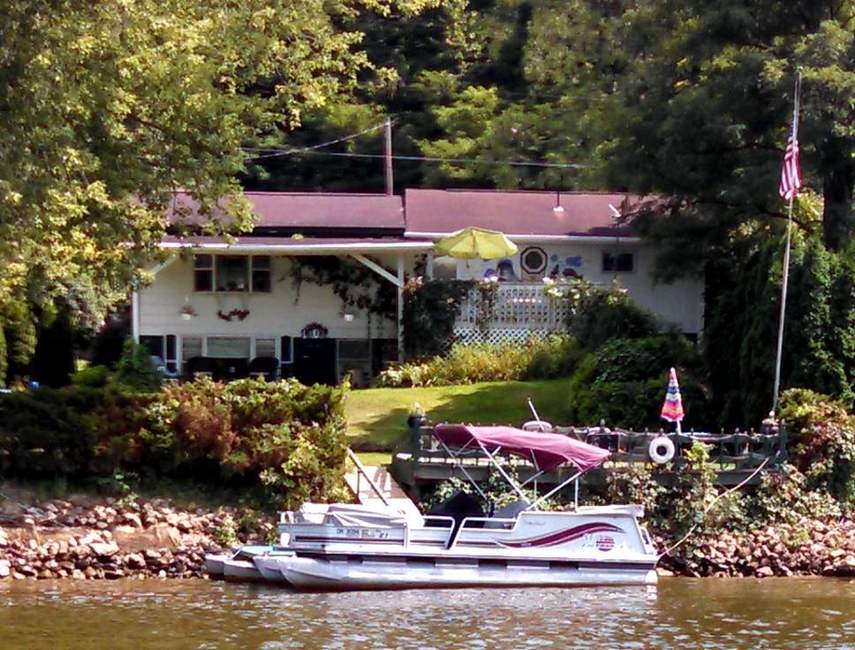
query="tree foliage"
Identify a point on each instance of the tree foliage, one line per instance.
(109, 106)
(705, 108)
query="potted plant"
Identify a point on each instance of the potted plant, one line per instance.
(416, 418)
(187, 312)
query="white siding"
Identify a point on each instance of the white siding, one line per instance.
(679, 302)
(278, 313)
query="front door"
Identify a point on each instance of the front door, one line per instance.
(314, 361)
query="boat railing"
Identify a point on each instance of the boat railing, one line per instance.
(502, 523)
(443, 518)
(736, 450)
(362, 473)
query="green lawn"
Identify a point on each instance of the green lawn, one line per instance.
(379, 415)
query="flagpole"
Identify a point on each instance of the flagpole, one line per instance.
(786, 269)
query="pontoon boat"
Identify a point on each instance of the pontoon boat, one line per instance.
(344, 547)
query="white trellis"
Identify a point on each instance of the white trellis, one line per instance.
(519, 312)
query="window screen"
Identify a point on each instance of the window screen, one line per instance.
(228, 347)
(232, 272)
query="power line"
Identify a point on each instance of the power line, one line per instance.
(273, 152)
(289, 152)
(481, 161)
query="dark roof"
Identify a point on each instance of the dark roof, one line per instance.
(304, 243)
(518, 213)
(304, 211)
(533, 213)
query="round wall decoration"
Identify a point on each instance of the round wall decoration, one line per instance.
(533, 260)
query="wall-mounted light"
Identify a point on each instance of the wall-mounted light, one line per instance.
(348, 317)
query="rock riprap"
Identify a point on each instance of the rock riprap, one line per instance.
(88, 538)
(809, 547)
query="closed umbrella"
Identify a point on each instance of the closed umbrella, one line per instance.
(472, 243)
(672, 409)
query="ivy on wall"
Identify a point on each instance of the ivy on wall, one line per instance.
(356, 286)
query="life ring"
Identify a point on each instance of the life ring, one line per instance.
(661, 450)
(537, 425)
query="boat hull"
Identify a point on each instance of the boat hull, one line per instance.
(241, 571)
(379, 574)
(215, 565)
(269, 567)
(236, 566)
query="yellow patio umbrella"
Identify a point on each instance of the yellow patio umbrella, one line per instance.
(471, 243)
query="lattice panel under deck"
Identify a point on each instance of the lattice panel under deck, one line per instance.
(499, 335)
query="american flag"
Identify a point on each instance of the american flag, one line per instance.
(791, 175)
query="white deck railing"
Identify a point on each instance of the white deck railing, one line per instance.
(517, 310)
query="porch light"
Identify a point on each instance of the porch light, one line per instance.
(348, 317)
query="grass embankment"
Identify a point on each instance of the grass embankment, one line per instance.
(377, 417)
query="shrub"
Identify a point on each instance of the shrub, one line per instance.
(693, 499)
(93, 376)
(784, 497)
(282, 435)
(135, 369)
(624, 382)
(468, 364)
(599, 314)
(556, 356)
(822, 441)
(46, 432)
(430, 310)
(636, 484)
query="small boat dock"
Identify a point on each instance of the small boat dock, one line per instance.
(420, 461)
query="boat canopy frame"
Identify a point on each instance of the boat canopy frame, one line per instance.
(493, 450)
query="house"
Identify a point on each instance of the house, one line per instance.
(560, 235)
(258, 296)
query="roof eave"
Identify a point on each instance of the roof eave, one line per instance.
(591, 239)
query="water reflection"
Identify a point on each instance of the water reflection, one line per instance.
(787, 613)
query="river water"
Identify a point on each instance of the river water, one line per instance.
(709, 613)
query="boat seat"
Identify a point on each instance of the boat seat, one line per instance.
(509, 511)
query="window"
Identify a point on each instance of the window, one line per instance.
(228, 347)
(618, 262)
(191, 346)
(154, 345)
(261, 273)
(203, 273)
(285, 352)
(265, 347)
(232, 273)
(163, 347)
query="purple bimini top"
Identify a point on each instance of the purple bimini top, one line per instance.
(547, 450)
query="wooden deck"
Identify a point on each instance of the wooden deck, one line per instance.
(420, 462)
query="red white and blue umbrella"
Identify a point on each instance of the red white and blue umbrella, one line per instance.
(672, 409)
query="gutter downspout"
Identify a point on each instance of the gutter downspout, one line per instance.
(135, 312)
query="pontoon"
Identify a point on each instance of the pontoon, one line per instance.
(344, 547)
(236, 566)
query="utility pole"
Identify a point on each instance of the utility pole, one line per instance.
(387, 158)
